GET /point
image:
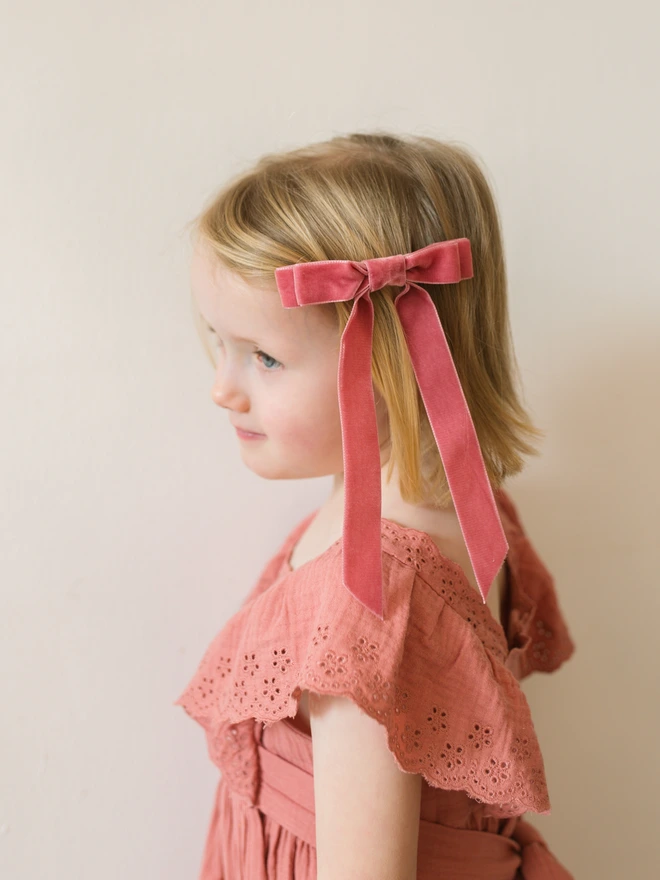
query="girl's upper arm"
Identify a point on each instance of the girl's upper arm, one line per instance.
(367, 809)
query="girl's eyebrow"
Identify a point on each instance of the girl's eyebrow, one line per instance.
(234, 338)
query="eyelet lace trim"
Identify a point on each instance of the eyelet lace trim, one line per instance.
(432, 740)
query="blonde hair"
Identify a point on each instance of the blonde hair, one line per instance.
(365, 195)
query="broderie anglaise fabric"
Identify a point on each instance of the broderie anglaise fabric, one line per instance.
(438, 672)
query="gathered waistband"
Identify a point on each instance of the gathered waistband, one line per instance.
(286, 794)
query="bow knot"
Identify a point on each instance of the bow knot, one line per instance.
(382, 271)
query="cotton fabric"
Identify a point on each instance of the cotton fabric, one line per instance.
(438, 672)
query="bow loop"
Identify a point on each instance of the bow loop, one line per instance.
(447, 263)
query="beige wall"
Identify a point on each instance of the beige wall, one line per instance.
(126, 513)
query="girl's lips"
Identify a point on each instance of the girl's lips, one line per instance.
(248, 435)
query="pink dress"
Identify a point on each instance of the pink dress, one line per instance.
(439, 673)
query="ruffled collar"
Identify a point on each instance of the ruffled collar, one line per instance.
(531, 634)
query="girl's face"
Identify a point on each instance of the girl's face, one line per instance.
(276, 372)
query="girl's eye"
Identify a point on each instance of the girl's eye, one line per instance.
(262, 355)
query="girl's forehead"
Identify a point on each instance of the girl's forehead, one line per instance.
(219, 292)
(244, 310)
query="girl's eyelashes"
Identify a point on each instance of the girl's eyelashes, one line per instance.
(267, 357)
(261, 355)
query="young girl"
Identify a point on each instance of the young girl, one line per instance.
(363, 705)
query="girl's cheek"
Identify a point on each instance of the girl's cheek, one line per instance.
(298, 435)
(307, 419)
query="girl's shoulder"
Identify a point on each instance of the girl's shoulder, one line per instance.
(438, 672)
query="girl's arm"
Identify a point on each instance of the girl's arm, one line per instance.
(367, 809)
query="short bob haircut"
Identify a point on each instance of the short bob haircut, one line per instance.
(364, 195)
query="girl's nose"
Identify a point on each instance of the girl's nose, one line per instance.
(228, 397)
(226, 391)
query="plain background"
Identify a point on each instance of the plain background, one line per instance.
(130, 528)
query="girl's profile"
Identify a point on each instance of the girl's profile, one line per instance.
(364, 705)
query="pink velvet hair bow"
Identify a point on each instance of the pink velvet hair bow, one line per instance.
(325, 281)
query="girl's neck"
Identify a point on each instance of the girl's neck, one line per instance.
(425, 517)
